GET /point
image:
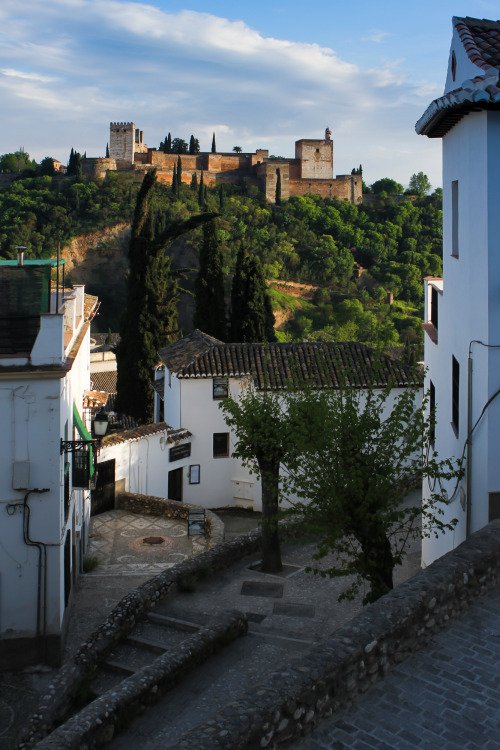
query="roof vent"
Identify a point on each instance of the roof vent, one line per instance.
(20, 255)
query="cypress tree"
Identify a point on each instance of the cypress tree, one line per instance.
(210, 310)
(150, 318)
(205, 198)
(179, 176)
(278, 187)
(214, 150)
(167, 144)
(194, 145)
(252, 317)
(194, 182)
(201, 191)
(174, 180)
(107, 150)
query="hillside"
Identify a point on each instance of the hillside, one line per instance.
(335, 271)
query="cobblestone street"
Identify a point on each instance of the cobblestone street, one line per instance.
(444, 697)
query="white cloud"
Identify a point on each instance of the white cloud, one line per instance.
(376, 36)
(188, 72)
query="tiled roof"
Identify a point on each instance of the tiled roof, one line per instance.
(94, 399)
(481, 41)
(145, 431)
(481, 92)
(104, 381)
(322, 365)
(90, 305)
(182, 352)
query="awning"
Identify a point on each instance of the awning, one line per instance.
(84, 434)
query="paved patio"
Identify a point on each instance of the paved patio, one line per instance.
(129, 544)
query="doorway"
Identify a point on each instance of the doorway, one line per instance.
(175, 485)
(103, 497)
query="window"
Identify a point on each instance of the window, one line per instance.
(221, 444)
(432, 414)
(220, 388)
(434, 307)
(454, 218)
(453, 65)
(455, 395)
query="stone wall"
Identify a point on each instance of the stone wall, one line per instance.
(122, 142)
(345, 187)
(316, 159)
(327, 678)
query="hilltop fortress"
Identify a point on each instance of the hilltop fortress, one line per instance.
(311, 171)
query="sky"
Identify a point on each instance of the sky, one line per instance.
(258, 74)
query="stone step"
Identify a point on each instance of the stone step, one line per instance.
(173, 622)
(154, 646)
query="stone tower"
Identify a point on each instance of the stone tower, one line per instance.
(125, 140)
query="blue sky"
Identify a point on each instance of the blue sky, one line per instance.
(259, 74)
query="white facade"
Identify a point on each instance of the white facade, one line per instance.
(461, 367)
(42, 534)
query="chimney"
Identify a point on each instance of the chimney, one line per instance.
(20, 255)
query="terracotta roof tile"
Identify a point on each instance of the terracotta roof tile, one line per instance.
(104, 381)
(321, 365)
(481, 40)
(145, 431)
(182, 352)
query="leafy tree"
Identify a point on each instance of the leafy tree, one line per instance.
(214, 149)
(356, 459)
(150, 318)
(221, 196)
(278, 187)
(263, 437)
(179, 146)
(46, 167)
(210, 310)
(19, 161)
(387, 185)
(419, 184)
(252, 317)
(237, 149)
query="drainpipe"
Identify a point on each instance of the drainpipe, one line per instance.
(468, 468)
(42, 564)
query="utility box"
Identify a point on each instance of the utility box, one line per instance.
(20, 475)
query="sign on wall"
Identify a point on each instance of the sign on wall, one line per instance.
(179, 451)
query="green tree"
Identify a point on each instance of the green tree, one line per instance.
(194, 182)
(419, 184)
(150, 317)
(201, 192)
(74, 165)
(107, 150)
(167, 144)
(214, 149)
(387, 185)
(263, 437)
(237, 149)
(252, 317)
(194, 145)
(356, 459)
(221, 196)
(179, 146)
(46, 166)
(179, 176)
(278, 187)
(210, 310)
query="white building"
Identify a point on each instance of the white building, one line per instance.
(463, 309)
(44, 372)
(198, 371)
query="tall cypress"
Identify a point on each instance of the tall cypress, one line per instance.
(201, 192)
(194, 145)
(167, 144)
(150, 318)
(179, 176)
(278, 187)
(107, 150)
(252, 317)
(214, 149)
(194, 182)
(210, 310)
(174, 180)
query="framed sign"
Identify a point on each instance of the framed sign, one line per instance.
(179, 451)
(194, 474)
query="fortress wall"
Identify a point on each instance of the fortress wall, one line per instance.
(345, 187)
(316, 158)
(122, 141)
(97, 168)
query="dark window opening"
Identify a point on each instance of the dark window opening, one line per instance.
(455, 395)
(453, 65)
(434, 307)
(221, 444)
(432, 414)
(454, 218)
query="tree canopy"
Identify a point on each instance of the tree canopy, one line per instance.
(419, 184)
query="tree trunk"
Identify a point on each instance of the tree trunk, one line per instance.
(378, 564)
(271, 552)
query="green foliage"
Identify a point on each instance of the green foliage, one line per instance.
(358, 454)
(419, 184)
(150, 318)
(237, 149)
(179, 146)
(387, 185)
(90, 563)
(252, 318)
(210, 311)
(194, 145)
(19, 162)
